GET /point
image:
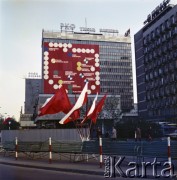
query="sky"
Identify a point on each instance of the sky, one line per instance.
(21, 24)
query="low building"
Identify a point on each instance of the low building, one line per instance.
(26, 121)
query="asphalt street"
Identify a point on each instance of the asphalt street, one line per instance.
(10, 172)
(22, 173)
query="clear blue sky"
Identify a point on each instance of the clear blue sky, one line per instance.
(21, 24)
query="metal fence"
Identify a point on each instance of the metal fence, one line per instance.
(40, 135)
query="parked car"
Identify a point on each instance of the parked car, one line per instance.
(173, 135)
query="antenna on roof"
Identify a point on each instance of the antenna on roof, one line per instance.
(85, 22)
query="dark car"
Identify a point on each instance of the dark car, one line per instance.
(173, 135)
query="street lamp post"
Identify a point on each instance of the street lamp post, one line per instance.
(9, 125)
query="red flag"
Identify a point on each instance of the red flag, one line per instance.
(97, 110)
(92, 108)
(74, 116)
(79, 103)
(57, 103)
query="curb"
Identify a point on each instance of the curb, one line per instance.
(55, 169)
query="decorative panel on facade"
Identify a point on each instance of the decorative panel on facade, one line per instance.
(71, 65)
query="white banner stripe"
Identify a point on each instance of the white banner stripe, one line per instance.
(92, 108)
(93, 105)
(78, 104)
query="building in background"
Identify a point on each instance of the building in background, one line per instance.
(156, 64)
(104, 59)
(33, 87)
(71, 58)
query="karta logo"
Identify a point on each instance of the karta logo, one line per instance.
(118, 167)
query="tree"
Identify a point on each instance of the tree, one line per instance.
(112, 109)
(10, 123)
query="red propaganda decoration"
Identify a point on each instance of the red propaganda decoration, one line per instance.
(95, 109)
(71, 65)
(59, 102)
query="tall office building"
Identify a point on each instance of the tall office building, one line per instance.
(32, 90)
(156, 63)
(72, 58)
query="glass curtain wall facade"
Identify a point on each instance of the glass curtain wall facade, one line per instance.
(115, 61)
(156, 66)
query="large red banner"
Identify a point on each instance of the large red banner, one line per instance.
(71, 65)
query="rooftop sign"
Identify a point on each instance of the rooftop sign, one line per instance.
(67, 27)
(157, 11)
(33, 75)
(87, 29)
(109, 30)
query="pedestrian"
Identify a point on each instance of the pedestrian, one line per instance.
(138, 134)
(150, 134)
(107, 134)
(99, 133)
(93, 133)
(114, 133)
